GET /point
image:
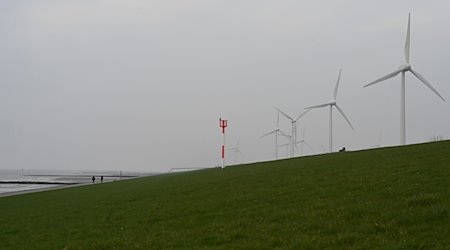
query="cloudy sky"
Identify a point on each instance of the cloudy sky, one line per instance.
(140, 85)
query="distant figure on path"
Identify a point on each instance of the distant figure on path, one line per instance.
(93, 179)
(342, 150)
(101, 178)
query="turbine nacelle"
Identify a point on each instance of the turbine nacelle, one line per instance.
(405, 67)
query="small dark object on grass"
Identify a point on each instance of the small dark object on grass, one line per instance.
(342, 150)
(93, 179)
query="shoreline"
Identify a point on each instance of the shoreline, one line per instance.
(14, 193)
(40, 182)
(63, 185)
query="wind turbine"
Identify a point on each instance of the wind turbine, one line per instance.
(332, 104)
(276, 131)
(288, 148)
(293, 139)
(236, 152)
(303, 141)
(379, 141)
(403, 69)
(287, 145)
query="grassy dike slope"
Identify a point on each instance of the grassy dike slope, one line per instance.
(389, 198)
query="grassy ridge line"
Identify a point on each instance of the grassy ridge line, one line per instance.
(387, 198)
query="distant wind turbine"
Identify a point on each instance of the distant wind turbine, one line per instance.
(287, 145)
(277, 132)
(293, 139)
(238, 157)
(303, 141)
(379, 141)
(332, 104)
(404, 68)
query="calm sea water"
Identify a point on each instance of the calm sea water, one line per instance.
(26, 179)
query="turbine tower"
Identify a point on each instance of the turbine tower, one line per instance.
(403, 69)
(276, 131)
(293, 138)
(332, 104)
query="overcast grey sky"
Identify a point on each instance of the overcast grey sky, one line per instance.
(140, 85)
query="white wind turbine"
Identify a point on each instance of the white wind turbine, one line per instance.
(302, 142)
(379, 141)
(238, 157)
(276, 131)
(293, 138)
(332, 104)
(403, 69)
(287, 146)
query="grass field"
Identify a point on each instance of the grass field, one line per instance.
(388, 198)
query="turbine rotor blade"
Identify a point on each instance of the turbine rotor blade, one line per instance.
(302, 114)
(337, 85)
(319, 106)
(240, 153)
(286, 115)
(283, 134)
(390, 75)
(309, 146)
(422, 79)
(345, 117)
(407, 42)
(269, 133)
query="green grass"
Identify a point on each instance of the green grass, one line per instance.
(389, 198)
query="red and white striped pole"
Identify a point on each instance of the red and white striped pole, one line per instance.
(223, 124)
